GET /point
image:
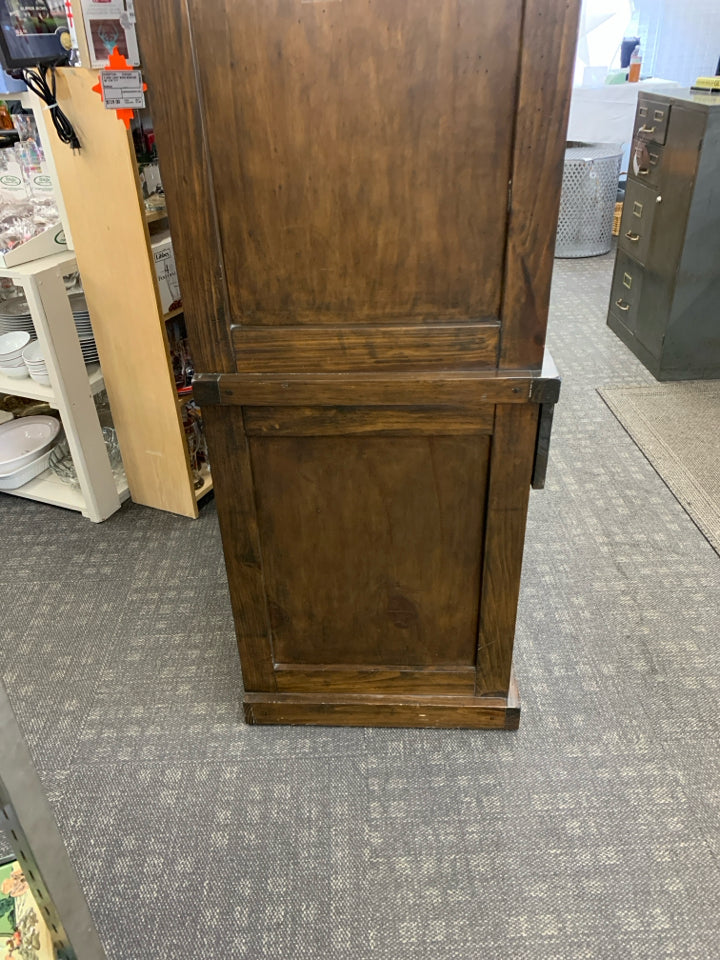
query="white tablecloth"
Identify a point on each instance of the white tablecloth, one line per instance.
(606, 114)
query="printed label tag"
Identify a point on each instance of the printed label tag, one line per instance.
(122, 89)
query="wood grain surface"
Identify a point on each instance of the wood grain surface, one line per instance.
(101, 191)
(331, 678)
(368, 421)
(511, 462)
(168, 60)
(464, 346)
(431, 389)
(372, 547)
(361, 154)
(232, 476)
(383, 711)
(546, 68)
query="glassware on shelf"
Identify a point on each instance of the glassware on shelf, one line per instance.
(61, 462)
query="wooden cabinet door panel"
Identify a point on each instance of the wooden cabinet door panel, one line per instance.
(371, 547)
(360, 154)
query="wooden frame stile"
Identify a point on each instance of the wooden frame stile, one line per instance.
(256, 384)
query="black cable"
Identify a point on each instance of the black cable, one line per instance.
(38, 82)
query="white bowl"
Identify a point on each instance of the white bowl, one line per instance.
(33, 353)
(15, 373)
(25, 439)
(15, 362)
(40, 378)
(13, 344)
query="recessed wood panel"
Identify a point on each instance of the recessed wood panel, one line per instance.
(458, 346)
(371, 547)
(368, 421)
(360, 153)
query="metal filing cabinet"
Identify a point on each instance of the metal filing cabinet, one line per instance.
(665, 296)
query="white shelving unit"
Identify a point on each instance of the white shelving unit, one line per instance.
(71, 390)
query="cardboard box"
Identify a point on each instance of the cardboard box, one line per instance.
(166, 272)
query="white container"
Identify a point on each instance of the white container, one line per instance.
(13, 344)
(24, 440)
(166, 272)
(15, 373)
(23, 475)
(44, 244)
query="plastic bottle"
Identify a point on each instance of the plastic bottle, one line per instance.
(635, 64)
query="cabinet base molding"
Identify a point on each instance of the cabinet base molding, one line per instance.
(332, 710)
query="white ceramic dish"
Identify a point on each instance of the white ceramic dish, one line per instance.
(15, 362)
(23, 475)
(25, 439)
(40, 378)
(15, 373)
(33, 353)
(13, 344)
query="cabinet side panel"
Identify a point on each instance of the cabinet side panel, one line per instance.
(372, 547)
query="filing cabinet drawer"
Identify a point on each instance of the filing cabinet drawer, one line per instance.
(646, 162)
(637, 221)
(626, 290)
(651, 120)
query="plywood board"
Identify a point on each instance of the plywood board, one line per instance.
(101, 190)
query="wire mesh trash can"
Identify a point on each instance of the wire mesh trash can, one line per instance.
(587, 202)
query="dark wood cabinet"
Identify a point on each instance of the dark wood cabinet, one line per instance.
(363, 197)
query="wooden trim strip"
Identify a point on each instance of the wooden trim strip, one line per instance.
(546, 65)
(391, 421)
(365, 710)
(331, 389)
(511, 463)
(299, 678)
(267, 349)
(232, 478)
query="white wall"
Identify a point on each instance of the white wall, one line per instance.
(680, 39)
(683, 37)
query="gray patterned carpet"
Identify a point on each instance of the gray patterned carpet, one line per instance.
(677, 427)
(591, 833)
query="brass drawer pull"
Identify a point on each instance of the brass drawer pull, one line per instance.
(644, 129)
(621, 305)
(643, 171)
(634, 237)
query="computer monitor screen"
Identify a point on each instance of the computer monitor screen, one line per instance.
(31, 32)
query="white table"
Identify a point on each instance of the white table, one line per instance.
(606, 114)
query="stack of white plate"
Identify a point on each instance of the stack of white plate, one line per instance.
(11, 354)
(84, 327)
(15, 316)
(35, 363)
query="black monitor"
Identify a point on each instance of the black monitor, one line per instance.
(32, 32)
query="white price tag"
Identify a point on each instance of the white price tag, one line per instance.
(122, 89)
